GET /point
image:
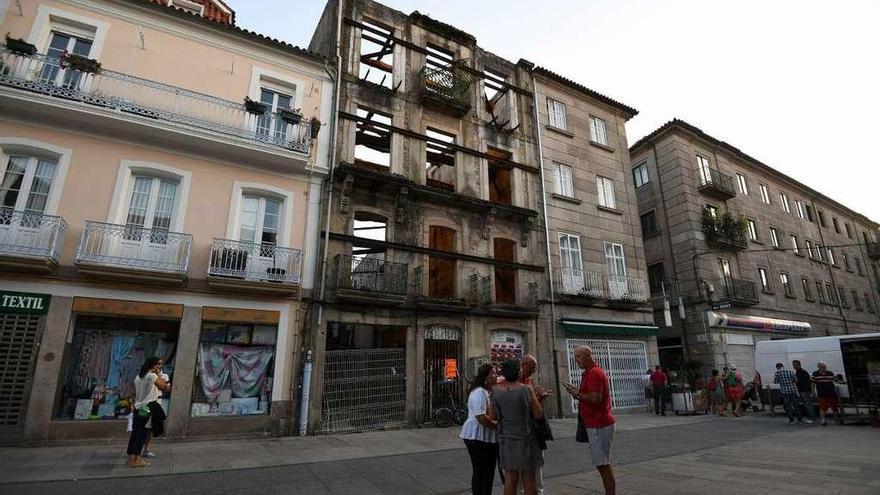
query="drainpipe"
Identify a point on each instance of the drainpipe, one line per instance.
(553, 349)
(333, 129)
(830, 270)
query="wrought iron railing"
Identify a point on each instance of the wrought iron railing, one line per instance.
(254, 261)
(367, 274)
(710, 177)
(31, 234)
(739, 290)
(578, 282)
(150, 99)
(625, 289)
(446, 84)
(134, 247)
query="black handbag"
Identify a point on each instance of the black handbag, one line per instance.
(581, 435)
(542, 432)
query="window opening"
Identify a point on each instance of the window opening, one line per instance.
(649, 223)
(572, 266)
(616, 262)
(598, 131)
(259, 223)
(368, 269)
(26, 184)
(377, 54)
(269, 124)
(150, 207)
(500, 177)
(556, 113)
(440, 159)
(562, 180)
(372, 142)
(59, 44)
(441, 271)
(496, 97)
(505, 278)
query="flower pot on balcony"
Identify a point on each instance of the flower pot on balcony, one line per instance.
(316, 127)
(80, 63)
(20, 46)
(290, 116)
(255, 107)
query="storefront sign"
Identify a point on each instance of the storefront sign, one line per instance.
(721, 305)
(451, 369)
(24, 303)
(742, 322)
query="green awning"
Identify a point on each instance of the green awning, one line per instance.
(586, 327)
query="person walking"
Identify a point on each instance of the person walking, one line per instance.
(594, 409)
(716, 394)
(805, 390)
(147, 414)
(787, 382)
(735, 389)
(825, 390)
(478, 432)
(658, 384)
(527, 369)
(513, 406)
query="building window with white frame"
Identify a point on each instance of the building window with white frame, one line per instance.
(704, 169)
(605, 187)
(831, 257)
(783, 199)
(151, 207)
(270, 124)
(571, 264)
(794, 244)
(60, 43)
(808, 292)
(809, 245)
(556, 112)
(27, 181)
(801, 211)
(743, 185)
(640, 174)
(615, 261)
(786, 284)
(765, 280)
(598, 132)
(562, 180)
(753, 229)
(259, 221)
(774, 237)
(765, 193)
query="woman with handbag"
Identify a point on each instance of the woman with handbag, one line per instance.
(146, 413)
(515, 406)
(478, 432)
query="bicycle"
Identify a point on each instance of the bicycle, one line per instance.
(444, 416)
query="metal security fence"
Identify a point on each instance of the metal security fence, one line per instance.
(624, 361)
(364, 389)
(444, 386)
(19, 338)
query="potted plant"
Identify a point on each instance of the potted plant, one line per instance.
(315, 127)
(20, 46)
(80, 63)
(255, 107)
(290, 115)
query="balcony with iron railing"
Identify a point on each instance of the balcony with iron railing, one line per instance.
(724, 231)
(130, 252)
(671, 289)
(575, 283)
(740, 292)
(126, 96)
(625, 290)
(715, 183)
(30, 241)
(254, 267)
(446, 89)
(369, 279)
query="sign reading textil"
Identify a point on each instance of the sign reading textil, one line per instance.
(742, 322)
(24, 303)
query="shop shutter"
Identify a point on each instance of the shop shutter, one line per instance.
(19, 337)
(624, 361)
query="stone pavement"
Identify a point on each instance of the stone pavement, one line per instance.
(687, 455)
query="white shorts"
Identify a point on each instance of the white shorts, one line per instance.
(600, 444)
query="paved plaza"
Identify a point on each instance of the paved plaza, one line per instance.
(669, 455)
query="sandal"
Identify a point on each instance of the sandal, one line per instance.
(139, 464)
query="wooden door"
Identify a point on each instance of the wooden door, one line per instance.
(441, 271)
(505, 278)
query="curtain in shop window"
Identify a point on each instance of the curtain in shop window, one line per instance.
(244, 367)
(122, 345)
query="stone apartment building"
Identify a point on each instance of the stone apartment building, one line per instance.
(750, 252)
(161, 176)
(434, 246)
(596, 262)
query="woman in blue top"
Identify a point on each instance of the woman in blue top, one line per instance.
(478, 432)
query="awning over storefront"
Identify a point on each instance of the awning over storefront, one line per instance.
(587, 327)
(756, 323)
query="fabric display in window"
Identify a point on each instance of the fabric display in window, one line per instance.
(243, 368)
(122, 345)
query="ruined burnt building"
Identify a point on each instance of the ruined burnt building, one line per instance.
(434, 247)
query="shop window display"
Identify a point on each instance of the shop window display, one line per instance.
(104, 356)
(234, 370)
(506, 345)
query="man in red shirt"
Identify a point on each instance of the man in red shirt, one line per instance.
(594, 410)
(658, 383)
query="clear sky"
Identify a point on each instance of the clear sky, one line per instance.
(793, 83)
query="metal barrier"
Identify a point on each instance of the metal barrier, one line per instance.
(364, 389)
(254, 261)
(154, 100)
(577, 282)
(31, 234)
(370, 274)
(625, 289)
(130, 246)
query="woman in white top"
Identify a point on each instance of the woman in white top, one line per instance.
(478, 432)
(146, 386)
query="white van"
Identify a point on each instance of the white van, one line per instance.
(849, 355)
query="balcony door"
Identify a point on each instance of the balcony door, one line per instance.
(258, 234)
(616, 263)
(441, 271)
(705, 171)
(724, 274)
(367, 269)
(24, 193)
(146, 236)
(270, 125)
(572, 266)
(59, 43)
(505, 278)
